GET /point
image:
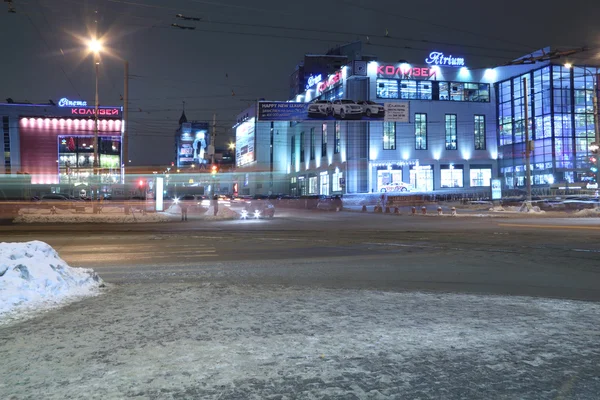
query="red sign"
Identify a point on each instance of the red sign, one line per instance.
(405, 72)
(90, 111)
(331, 81)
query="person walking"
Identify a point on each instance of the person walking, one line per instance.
(183, 205)
(216, 204)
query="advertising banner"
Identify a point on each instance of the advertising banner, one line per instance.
(496, 189)
(244, 143)
(192, 143)
(338, 110)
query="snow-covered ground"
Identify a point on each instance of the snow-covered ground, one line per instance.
(224, 213)
(112, 215)
(33, 277)
(520, 209)
(211, 341)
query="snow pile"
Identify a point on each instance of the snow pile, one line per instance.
(32, 275)
(523, 208)
(588, 212)
(74, 218)
(223, 213)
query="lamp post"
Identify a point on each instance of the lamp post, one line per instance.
(95, 47)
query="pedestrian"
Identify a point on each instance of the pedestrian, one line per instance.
(183, 205)
(337, 201)
(216, 204)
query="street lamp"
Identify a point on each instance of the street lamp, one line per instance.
(95, 47)
(231, 145)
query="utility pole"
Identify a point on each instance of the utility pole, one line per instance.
(213, 134)
(125, 140)
(527, 143)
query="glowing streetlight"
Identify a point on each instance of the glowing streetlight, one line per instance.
(231, 145)
(95, 46)
(568, 65)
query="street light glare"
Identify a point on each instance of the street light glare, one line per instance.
(568, 65)
(95, 46)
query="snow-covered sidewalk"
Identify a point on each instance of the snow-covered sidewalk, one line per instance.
(34, 277)
(108, 216)
(210, 341)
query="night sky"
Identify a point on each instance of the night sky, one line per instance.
(243, 50)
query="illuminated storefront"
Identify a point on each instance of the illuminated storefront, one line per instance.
(55, 143)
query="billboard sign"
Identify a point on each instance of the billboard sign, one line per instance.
(496, 189)
(338, 110)
(192, 143)
(244, 143)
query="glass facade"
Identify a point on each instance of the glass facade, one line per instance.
(409, 89)
(76, 158)
(561, 125)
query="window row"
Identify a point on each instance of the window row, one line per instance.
(337, 138)
(450, 126)
(432, 90)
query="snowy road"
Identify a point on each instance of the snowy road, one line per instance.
(208, 341)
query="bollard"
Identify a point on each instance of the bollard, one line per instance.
(439, 210)
(387, 210)
(364, 208)
(377, 209)
(424, 210)
(396, 210)
(413, 211)
(453, 210)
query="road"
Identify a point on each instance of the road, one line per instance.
(318, 306)
(525, 256)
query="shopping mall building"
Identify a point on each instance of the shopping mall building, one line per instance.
(445, 127)
(54, 143)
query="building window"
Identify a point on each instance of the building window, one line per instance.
(312, 185)
(421, 178)
(312, 143)
(459, 91)
(450, 131)
(324, 188)
(324, 141)
(301, 146)
(389, 136)
(413, 90)
(387, 88)
(480, 177)
(337, 138)
(479, 132)
(293, 152)
(421, 131)
(451, 176)
(7, 163)
(336, 183)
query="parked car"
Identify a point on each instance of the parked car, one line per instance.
(319, 107)
(370, 108)
(396, 187)
(330, 203)
(346, 108)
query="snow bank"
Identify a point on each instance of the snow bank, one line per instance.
(532, 210)
(588, 212)
(104, 218)
(222, 214)
(32, 276)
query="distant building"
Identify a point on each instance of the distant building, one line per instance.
(445, 127)
(54, 143)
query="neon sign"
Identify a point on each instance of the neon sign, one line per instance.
(405, 71)
(332, 80)
(64, 102)
(90, 111)
(438, 58)
(313, 80)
